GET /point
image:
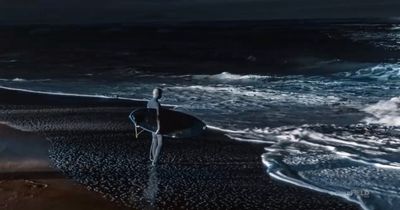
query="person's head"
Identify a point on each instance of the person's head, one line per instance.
(157, 93)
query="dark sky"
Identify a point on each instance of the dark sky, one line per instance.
(103, 11)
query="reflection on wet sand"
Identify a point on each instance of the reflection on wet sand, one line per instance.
(150, 193)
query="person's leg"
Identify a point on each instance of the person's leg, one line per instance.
(157, 149)
(153, 146)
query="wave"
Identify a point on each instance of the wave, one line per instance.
(386, 112)
(17, 79)
(381, 72)
(395, 28)
(250, 96)
(360, 142)
(229, 77)
(378, 72)
(341, 161)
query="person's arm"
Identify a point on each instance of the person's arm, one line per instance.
(158, 121)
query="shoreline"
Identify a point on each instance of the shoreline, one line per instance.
(97, 144)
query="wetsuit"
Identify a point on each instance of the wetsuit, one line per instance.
(156, 143)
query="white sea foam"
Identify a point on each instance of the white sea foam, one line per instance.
(253, 96)
(382, 72)
(385, 112)
(395, 28)
(18, 80)
(229, 77)
(341, 163)
(358, 162)
(363, 183)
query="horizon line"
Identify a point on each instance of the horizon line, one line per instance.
(368, 20)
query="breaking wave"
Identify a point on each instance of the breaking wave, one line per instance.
(229, 77)
(357, 162)
(381, 72)
(386, 112)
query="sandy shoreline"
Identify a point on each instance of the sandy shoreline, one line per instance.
(92, 143)
(29, 181)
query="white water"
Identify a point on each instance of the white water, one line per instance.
(385, 112)
(363, 168)
(383, 72)
(360, 162)
(228, 77)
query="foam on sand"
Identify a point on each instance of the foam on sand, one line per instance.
(358, 163)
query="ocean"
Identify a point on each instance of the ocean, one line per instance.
(323, 99)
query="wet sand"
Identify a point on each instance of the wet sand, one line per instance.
(50, 194)
(29, 181)
(93, 145)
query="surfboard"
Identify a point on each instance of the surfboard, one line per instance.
(173, 124)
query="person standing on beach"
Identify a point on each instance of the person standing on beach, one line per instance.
(156, 143)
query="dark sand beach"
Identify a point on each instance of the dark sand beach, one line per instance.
(93, 154)
(28, 180)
